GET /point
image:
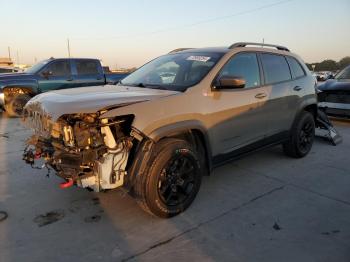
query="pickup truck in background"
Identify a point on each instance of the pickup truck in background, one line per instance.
(52, 74)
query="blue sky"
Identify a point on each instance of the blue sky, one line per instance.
(129, 33)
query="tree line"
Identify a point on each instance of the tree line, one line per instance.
(330, 65)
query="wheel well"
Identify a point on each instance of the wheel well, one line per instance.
(13, 90)
(312, 109)
(196, 138)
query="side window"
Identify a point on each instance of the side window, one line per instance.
(243, 65)
(87, 67)
(295, 67)
(59, 68)
(275, 68)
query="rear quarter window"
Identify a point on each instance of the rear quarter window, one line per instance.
(295, 67)
(275, 68)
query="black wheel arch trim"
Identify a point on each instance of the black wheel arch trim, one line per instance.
(193, 126)
(31, 87)
(308, 104)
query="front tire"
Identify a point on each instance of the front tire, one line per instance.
(14, 105)
(172, 181)
(302, 136)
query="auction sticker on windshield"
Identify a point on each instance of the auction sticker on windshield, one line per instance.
(198, 58)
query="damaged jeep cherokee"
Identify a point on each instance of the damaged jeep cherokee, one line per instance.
(173, 120)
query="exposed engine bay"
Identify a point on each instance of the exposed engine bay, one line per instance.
(82, 148)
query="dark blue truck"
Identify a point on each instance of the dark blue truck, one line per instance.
(51, 74)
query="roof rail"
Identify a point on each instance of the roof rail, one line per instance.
(179, 49)
(244, 44)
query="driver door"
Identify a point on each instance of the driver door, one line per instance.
(237, 115)
(56, 75)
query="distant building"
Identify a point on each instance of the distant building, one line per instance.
(5, 61)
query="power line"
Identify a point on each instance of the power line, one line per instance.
(192, 24)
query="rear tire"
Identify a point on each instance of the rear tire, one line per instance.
(302, 136)
(14, 105)
(172, 180)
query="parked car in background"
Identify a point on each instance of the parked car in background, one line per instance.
(323, 75)
(334, 94)
(52, 74)
(173, 120)
(8, 69)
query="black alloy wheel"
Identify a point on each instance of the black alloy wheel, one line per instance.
(306, 137)
(172, 179)
(176, 181)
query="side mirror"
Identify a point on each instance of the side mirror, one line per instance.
(229, 82)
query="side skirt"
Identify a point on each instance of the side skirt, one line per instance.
(276, 139)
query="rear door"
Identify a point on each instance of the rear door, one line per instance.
(281, 105)
(88, 72)
(56, 75)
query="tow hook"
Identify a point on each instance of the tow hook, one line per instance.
(69, 182)
(37, 155)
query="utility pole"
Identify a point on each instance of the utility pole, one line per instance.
(17, 58)
(68, 46)
(9, 50)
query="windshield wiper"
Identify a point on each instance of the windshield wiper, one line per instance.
(152, 86)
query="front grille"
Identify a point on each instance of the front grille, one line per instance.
(337, 97)
(337, 112)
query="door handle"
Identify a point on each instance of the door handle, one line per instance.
(98, 78)
(260, 95)
(70, 79)
(297, 88)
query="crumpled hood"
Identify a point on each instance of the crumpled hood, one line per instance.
(90, 99)
(335, 85)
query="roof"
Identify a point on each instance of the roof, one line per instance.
(248, 45)
(204, 50)
(72, 58)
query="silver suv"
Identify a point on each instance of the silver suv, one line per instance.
(173, 120)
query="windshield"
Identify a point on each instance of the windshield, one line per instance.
(344, 74)
(37, 67)
(174, 72)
